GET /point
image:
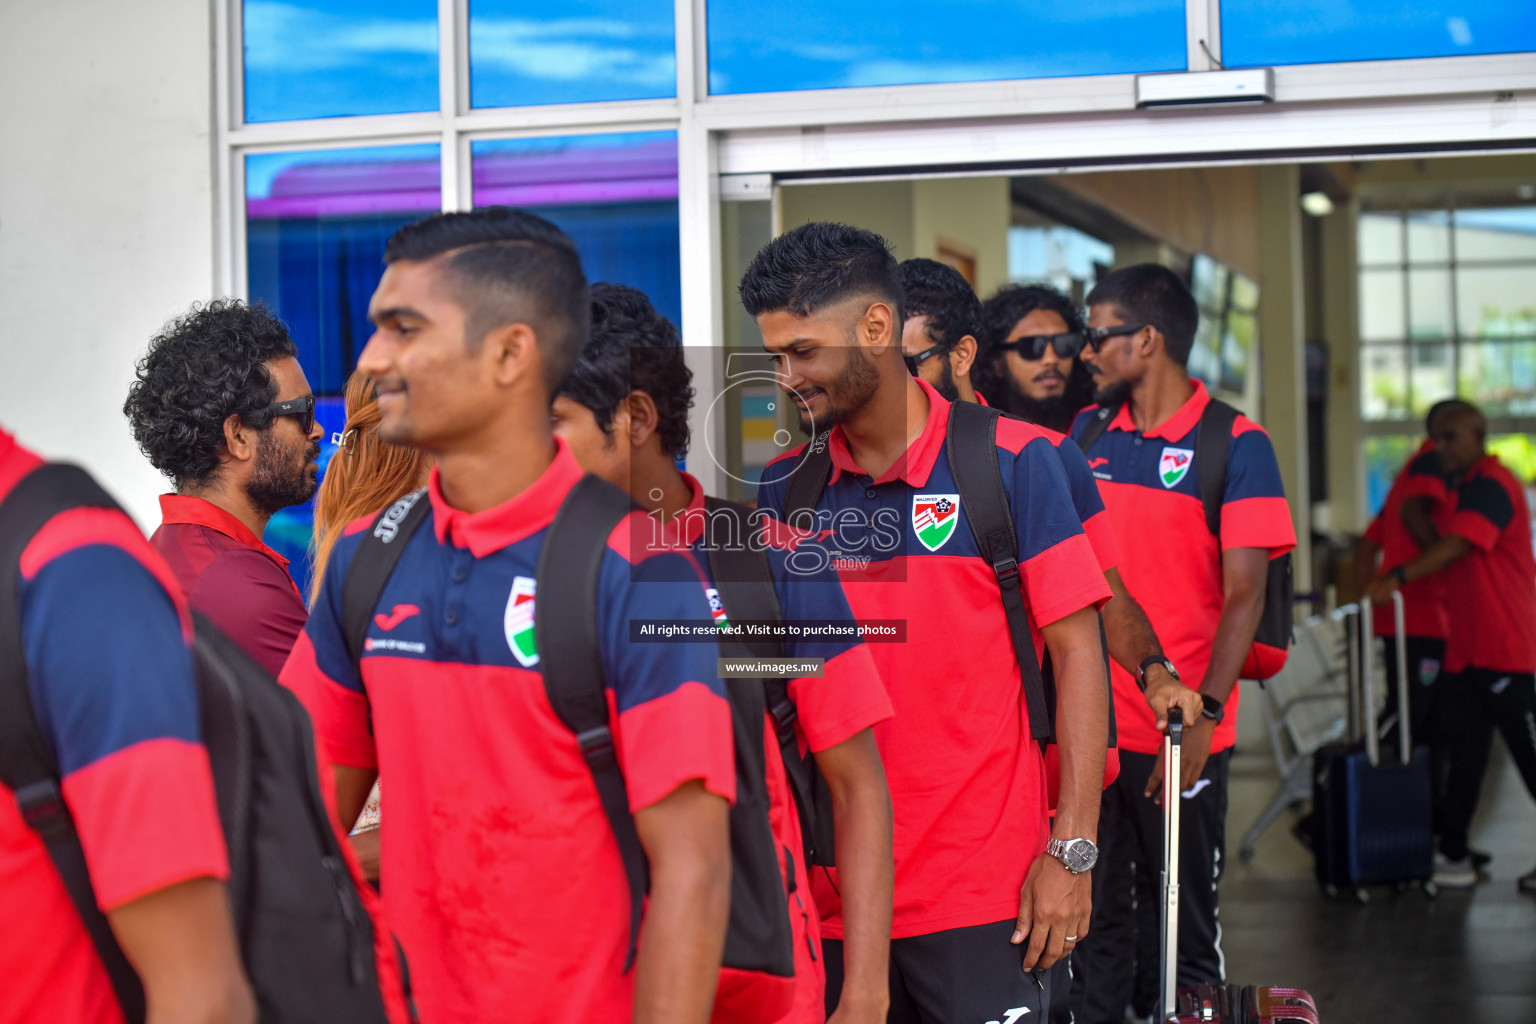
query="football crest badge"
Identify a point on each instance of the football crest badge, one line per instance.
(519, 622)
(934, 517)
(1173, 465)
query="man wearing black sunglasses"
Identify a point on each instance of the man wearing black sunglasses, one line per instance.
(1031, 336)
(943, 323)
(221, 407)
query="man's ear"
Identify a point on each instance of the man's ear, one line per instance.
(644, 417)
(1153, 343)
(963, 356)
(877, 328)
(512, 351)
(240, 439)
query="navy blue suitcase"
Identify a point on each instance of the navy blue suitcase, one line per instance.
(1372, 817)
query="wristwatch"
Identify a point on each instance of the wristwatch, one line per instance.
(1078, 855)
(1156, 659)
(1212, 708)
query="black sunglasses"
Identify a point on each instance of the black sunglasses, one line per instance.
(1032, 346)
(1095, 337)
(913, 362)
(304, 408)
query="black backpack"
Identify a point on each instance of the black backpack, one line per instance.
(1213, 439)
(971, 436)
(758, 938)
(305, 938)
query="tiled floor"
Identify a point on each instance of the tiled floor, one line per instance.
(1466, 957)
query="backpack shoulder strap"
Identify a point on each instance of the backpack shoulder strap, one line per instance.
(27, 763)
(972, 445)
(373, 564)
(570, 659)
(807, 481)
(1213, 447)
(1095, 427)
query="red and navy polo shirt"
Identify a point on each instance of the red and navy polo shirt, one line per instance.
(1491, 590)
(105, 634)
(967, 781)
(229, 575)
(1168, 558)
(1087, 500)
(846, 700)
(504, 882)
(1423, 599)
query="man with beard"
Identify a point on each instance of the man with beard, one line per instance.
(1031, 335)
(990, 891)
(938, 341)
(1203, 593)
(221, 406)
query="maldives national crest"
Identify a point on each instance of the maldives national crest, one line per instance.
(1173, 465)
(519, 622)
(934, 517)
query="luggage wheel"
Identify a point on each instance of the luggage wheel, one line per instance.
(1362, 897)
(1431, 890)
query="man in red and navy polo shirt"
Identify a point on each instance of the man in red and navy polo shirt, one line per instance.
(1204, 596)
(105, 635)
(221, 406)
(624, 410)
(977, 895)
(1490, 585)
(501, 875)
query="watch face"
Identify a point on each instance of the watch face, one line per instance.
(1080, 855)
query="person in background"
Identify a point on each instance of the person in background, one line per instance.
(1490, 583)
(104, 635)
(1030, 336)
(364, 476)
(1204, 595)
(503, 880)
(624, 410)
(943, 320)
(221, 406)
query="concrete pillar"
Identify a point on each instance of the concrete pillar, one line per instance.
(1341, 327)
(1282, 349)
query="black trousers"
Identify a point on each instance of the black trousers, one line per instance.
(1427, 680)
(1117, 964)
(960, 976)
(1474, 703)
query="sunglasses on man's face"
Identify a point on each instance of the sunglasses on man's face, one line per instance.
(304, 408)
(1095, 337)
(913, 362)
(1033, 346)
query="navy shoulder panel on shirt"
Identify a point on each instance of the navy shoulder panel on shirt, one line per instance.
(1425, 464)
(1487, 497)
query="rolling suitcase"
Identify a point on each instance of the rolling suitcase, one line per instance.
(1372, 819)
(1208, 1004)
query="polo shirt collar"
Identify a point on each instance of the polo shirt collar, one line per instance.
(1175, 426)
(916, 463)
(187, 510)
(485, 533)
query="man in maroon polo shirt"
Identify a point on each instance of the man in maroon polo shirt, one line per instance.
(221, 406)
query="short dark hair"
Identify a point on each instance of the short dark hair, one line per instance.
(938, 291)
(819, 265)
(1151, 293)
(1443, 406)
(203, 367)
(633, 348)
(1013, 302)
(500, 260)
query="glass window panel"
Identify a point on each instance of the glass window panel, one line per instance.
(615, 195)
(1384, 459)
(1486, 375)
(1429, 237)
(1496, 302)
(1518, 453)
(1381, 305)
(576, 51)
(1522, 378)
(1430, 377)
(1384, 382)
(330, 58)
(1380, 238)
(809, 44)
(1496, 234)
(1429, 304)
(1258, 33)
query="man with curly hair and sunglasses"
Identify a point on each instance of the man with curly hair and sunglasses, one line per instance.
(221, 406)
(1028, 366)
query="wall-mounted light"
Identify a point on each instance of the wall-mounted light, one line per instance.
(1317, 204)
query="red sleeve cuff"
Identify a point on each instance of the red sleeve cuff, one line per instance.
(1258, 523)
(1101, 534)
(1063, 579)
(1476, 529)
(846, 700)
(148, 819)
(674, 739)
